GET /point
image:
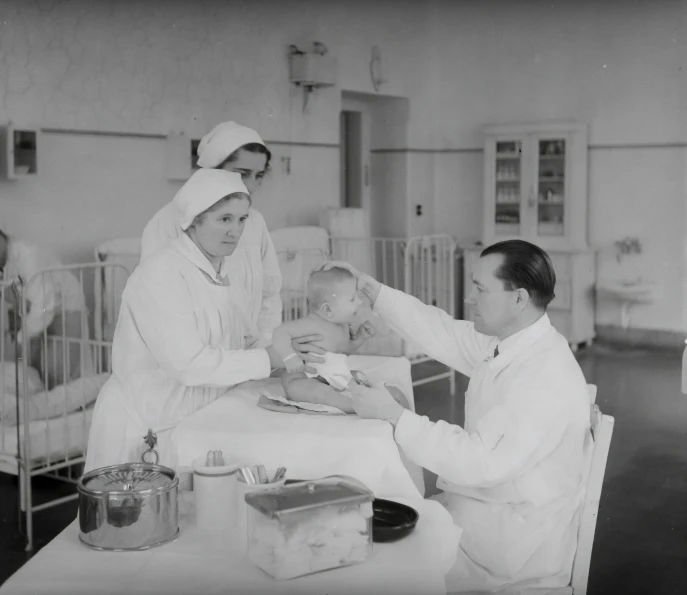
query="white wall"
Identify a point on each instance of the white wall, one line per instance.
(616, 65)
(163, 65)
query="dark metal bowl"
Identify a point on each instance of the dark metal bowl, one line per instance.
(392, 521)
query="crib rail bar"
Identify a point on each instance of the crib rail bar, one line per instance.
(45, 470)
(433, 378)
(55, 502)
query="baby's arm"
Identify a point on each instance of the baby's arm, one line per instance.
(299, 387)
(281, 341)
(364, 332)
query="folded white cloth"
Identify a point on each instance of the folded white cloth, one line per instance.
(334, 369)
(303, 405)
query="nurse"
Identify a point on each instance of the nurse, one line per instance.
(183, 329)
(56, 307)
(513, 478)
(253, 264)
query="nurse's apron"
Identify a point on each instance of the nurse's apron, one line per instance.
(244, 269)
(154, 443)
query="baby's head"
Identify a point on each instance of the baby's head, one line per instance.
(333, 295)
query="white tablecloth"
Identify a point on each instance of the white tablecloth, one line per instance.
(309, 446)
(201, 564)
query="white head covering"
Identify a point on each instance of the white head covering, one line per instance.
(222, 141)
(203, 189)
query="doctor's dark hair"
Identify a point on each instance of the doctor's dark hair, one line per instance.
(251, 148)
(525, 266)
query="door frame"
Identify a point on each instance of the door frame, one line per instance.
(353, 104)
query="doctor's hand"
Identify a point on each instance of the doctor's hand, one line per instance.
(376, 402)
(367, 284)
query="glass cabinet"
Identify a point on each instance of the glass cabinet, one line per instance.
(536, 184)
(535, 189)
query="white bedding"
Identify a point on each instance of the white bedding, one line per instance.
(51, 439)
(59, 401)
(61, 419)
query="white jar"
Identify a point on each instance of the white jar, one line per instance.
(215, 490)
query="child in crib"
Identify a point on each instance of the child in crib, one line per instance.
(334, 301)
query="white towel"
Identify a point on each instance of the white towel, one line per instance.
(334, 369)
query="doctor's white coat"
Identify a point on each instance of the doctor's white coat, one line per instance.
(179, 344)
(253, 265)
(514, 477)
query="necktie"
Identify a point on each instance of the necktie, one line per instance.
(496, 351)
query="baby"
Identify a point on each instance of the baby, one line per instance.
(333, 300)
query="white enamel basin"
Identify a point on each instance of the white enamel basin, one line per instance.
(629, 291)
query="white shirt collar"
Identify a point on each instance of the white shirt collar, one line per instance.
(511, 346)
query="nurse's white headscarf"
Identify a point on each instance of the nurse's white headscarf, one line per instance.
(225, 138)
(203, 189)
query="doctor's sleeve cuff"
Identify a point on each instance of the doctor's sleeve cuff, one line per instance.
(408, 433)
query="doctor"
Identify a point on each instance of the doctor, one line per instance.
(183, 329)
(254, 264)
(514, 477)
(56, 306)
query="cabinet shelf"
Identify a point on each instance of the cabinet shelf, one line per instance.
(550, 210)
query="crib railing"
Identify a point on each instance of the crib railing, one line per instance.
(430, 269)
(48, 381)
(296, 266)
(383, 258)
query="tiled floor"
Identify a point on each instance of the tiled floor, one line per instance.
(641, 538)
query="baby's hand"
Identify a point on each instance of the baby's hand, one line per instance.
(366, 331)
(294, 364)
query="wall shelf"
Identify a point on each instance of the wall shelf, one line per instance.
(18, 151)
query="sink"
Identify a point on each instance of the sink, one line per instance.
(633, 291)
(628, 292)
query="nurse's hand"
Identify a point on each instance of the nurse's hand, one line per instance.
(309, 352)
(367, 285)
(376, 402)
(306, 347)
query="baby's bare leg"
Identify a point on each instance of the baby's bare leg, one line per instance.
(298, 387)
